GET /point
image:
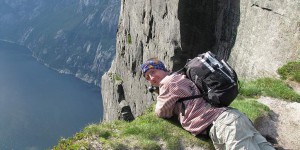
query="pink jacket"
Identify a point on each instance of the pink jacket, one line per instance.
(198, 113)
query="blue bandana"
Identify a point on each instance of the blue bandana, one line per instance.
(152, 64)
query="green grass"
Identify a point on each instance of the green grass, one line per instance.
(268, 87)
(146, 132)
(251, 108)
(290, 71)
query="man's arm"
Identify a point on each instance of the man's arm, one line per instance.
(166, 101)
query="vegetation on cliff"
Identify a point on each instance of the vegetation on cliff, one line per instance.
(150, 132)
(290, 71)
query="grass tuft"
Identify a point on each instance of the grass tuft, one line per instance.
(145, 132)
(268, 87)
(251, 108)
(290, 71)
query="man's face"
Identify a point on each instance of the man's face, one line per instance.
(154, 76)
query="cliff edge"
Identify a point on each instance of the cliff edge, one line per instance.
(256, 36)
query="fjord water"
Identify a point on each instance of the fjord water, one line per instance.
(38, 105)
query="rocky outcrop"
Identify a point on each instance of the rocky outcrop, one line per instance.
(257, 37)
(173, 31)
(279, 125)
(268, 37)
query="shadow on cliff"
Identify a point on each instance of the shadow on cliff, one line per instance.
(206, 25)
(125, 108)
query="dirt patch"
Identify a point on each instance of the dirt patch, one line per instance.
(294, 85)
(283, 124)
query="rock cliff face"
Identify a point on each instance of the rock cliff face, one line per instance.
(173, 31)
(256, 36)
(268, 37)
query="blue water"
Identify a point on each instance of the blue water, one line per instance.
(38, 105)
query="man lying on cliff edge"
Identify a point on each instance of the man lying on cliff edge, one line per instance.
(228, 128)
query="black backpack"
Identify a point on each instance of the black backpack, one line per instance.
(216, 80)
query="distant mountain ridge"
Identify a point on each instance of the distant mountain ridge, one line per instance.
(74, 37)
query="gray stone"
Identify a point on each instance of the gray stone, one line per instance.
(256, 36)
(268, 37)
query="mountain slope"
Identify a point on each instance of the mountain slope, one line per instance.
(76, 37)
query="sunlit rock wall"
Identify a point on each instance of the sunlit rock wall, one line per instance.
(172, 31)
(268, 37)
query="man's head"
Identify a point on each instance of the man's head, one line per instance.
(154, 71)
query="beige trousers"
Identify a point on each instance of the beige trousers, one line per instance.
(232, 130)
